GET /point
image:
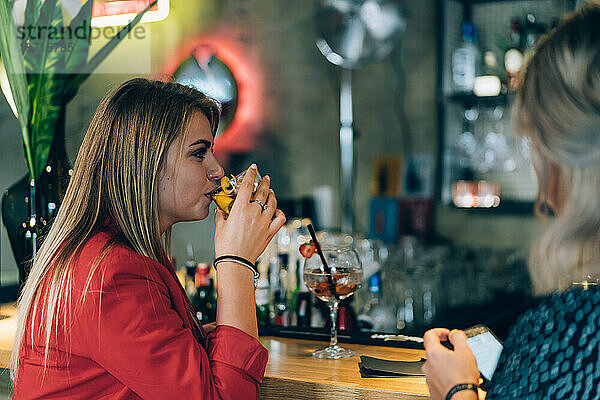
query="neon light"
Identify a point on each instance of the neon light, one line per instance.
(242, 133)
(114, 13)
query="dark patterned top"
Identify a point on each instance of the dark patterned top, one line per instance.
(552, 352)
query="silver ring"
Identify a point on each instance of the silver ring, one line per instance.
(260, 203)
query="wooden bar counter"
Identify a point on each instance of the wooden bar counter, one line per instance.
(293, 373)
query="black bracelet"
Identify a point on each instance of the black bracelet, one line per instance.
(459, 388)
(238, 260)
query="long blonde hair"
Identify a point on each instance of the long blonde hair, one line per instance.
(558, 107)
(115, 175)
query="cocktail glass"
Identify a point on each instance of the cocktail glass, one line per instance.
(345, 278)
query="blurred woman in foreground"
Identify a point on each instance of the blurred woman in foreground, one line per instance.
(553, 351)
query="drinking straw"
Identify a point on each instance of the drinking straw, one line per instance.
(326, 268)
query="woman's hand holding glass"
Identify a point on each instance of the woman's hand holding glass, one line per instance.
(445, 368)
(248, 229)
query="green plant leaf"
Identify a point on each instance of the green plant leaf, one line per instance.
(32, 12)
(77, 48)
(39, 47)
(73, 85)
(5, 86)
(44, 60)
(14, 65)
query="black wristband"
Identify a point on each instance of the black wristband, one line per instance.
(459, 388)
(238, 260)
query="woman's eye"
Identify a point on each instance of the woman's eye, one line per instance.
(200, 154)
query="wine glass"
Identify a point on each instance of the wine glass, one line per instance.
(345, 278)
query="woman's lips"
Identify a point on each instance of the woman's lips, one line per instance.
(209, 194)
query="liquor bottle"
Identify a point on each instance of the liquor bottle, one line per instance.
(263, 305)
(303, 299)
(515, 33)
(405, 314)
(304, 309)
(513, 58)
(282, 315)
(204, 301)
(377, 314)
(346, 316)
(274, 281)
(532, 31)
(190, 272)
(466, 59)
(284, 270)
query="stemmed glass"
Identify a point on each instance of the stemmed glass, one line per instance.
(345, 278)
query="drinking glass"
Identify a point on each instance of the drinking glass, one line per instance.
(225, 194)
(345, 278)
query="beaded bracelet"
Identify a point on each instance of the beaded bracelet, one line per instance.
(241, 261)
(459, 388)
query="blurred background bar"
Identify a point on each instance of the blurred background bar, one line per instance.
(385, 123)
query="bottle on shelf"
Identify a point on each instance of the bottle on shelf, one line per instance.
(190, 272)
(303, 299)
(466, 59)
(377, 314)
(274, 281)
(204, 301)
(532, 31)
(264, 311)
(513, 58)
(515, 33)
(284, 267)
(346, 316)
(304, 309)
(405, 314)
(282, 315)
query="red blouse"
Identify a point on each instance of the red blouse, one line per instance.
(133, 337)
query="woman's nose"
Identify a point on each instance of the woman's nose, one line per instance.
(215, 172)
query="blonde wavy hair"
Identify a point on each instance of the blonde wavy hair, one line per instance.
(115, 175)
(558, 107)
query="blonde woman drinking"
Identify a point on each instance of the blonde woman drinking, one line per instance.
(102, 314)
(553, 351)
